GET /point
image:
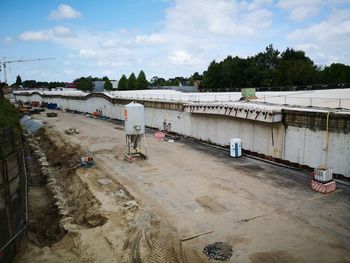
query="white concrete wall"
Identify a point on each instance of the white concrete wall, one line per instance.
(305, 146)
(299, 145)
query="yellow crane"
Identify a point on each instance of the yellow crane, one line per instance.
(5, 62)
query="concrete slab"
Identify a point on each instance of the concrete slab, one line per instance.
(267, 213)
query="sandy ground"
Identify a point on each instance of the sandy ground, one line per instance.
(196, 194)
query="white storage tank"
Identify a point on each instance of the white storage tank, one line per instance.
(235, 147)
(134, 116)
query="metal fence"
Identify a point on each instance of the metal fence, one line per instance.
(13, 193)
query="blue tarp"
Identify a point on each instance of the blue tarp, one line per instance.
(30, 124)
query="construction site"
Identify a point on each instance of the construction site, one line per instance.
(162, 176)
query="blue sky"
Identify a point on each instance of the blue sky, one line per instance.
(163, 37)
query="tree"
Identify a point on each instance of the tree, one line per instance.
(29, 84)
(336, 73)
(197, 76)
(123, 83)
(141, 82)
(108, 84)
(295, 68)
(18, 81)
(212, 77)
(84, 84)
(132, 81)
(156, 81)
(266, 63)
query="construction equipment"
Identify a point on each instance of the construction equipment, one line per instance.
(135, 131)
(5, 62)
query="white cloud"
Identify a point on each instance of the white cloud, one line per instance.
(69, 71)
(50, 34)
(259, 18)
(301, 9)
(62, 31)
(35, 36)
(64, 12)
(110, 43)
(256, 4)
(123, 31)
(88, 54)
(326, 41)
(7, 40)
(180, 57)
(153, 39)
(220, 18)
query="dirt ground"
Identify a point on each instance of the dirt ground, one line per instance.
(188, 196)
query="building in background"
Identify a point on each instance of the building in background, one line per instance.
(98, 86)
(71, 85)
(114, 84)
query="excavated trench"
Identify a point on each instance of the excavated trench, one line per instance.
(55, 193)
(44, 219)
(66, 219)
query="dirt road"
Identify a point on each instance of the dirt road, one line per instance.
(200, 195)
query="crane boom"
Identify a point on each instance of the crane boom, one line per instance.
(4, 64)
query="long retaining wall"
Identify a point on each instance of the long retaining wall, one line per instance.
(298, 137)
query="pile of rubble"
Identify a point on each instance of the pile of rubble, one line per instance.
(218, 251)
(71, 131)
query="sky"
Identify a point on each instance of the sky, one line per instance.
(165, 38)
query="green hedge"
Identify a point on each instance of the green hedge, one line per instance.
(8, 114)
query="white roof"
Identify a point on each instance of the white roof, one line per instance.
(311, 100)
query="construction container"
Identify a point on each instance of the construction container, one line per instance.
(235, 147)
(248, 92)
(134, 116)
(52, 106)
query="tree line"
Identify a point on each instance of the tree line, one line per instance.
(271, 68)
(133, 83)
(86, 83)
(37, 84)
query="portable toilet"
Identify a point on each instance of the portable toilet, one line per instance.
(235, 147)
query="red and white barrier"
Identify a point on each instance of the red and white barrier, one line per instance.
(323, 188)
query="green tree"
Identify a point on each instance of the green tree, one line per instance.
(336, 73)
(141, 82)
(295, 68)
(197, 76)
(264, 64)
(132, 81)
(18, 81)
(108, 84)
(123, 83)
(212, 77)
(156, 81)
(84, 84)
(29, 83)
